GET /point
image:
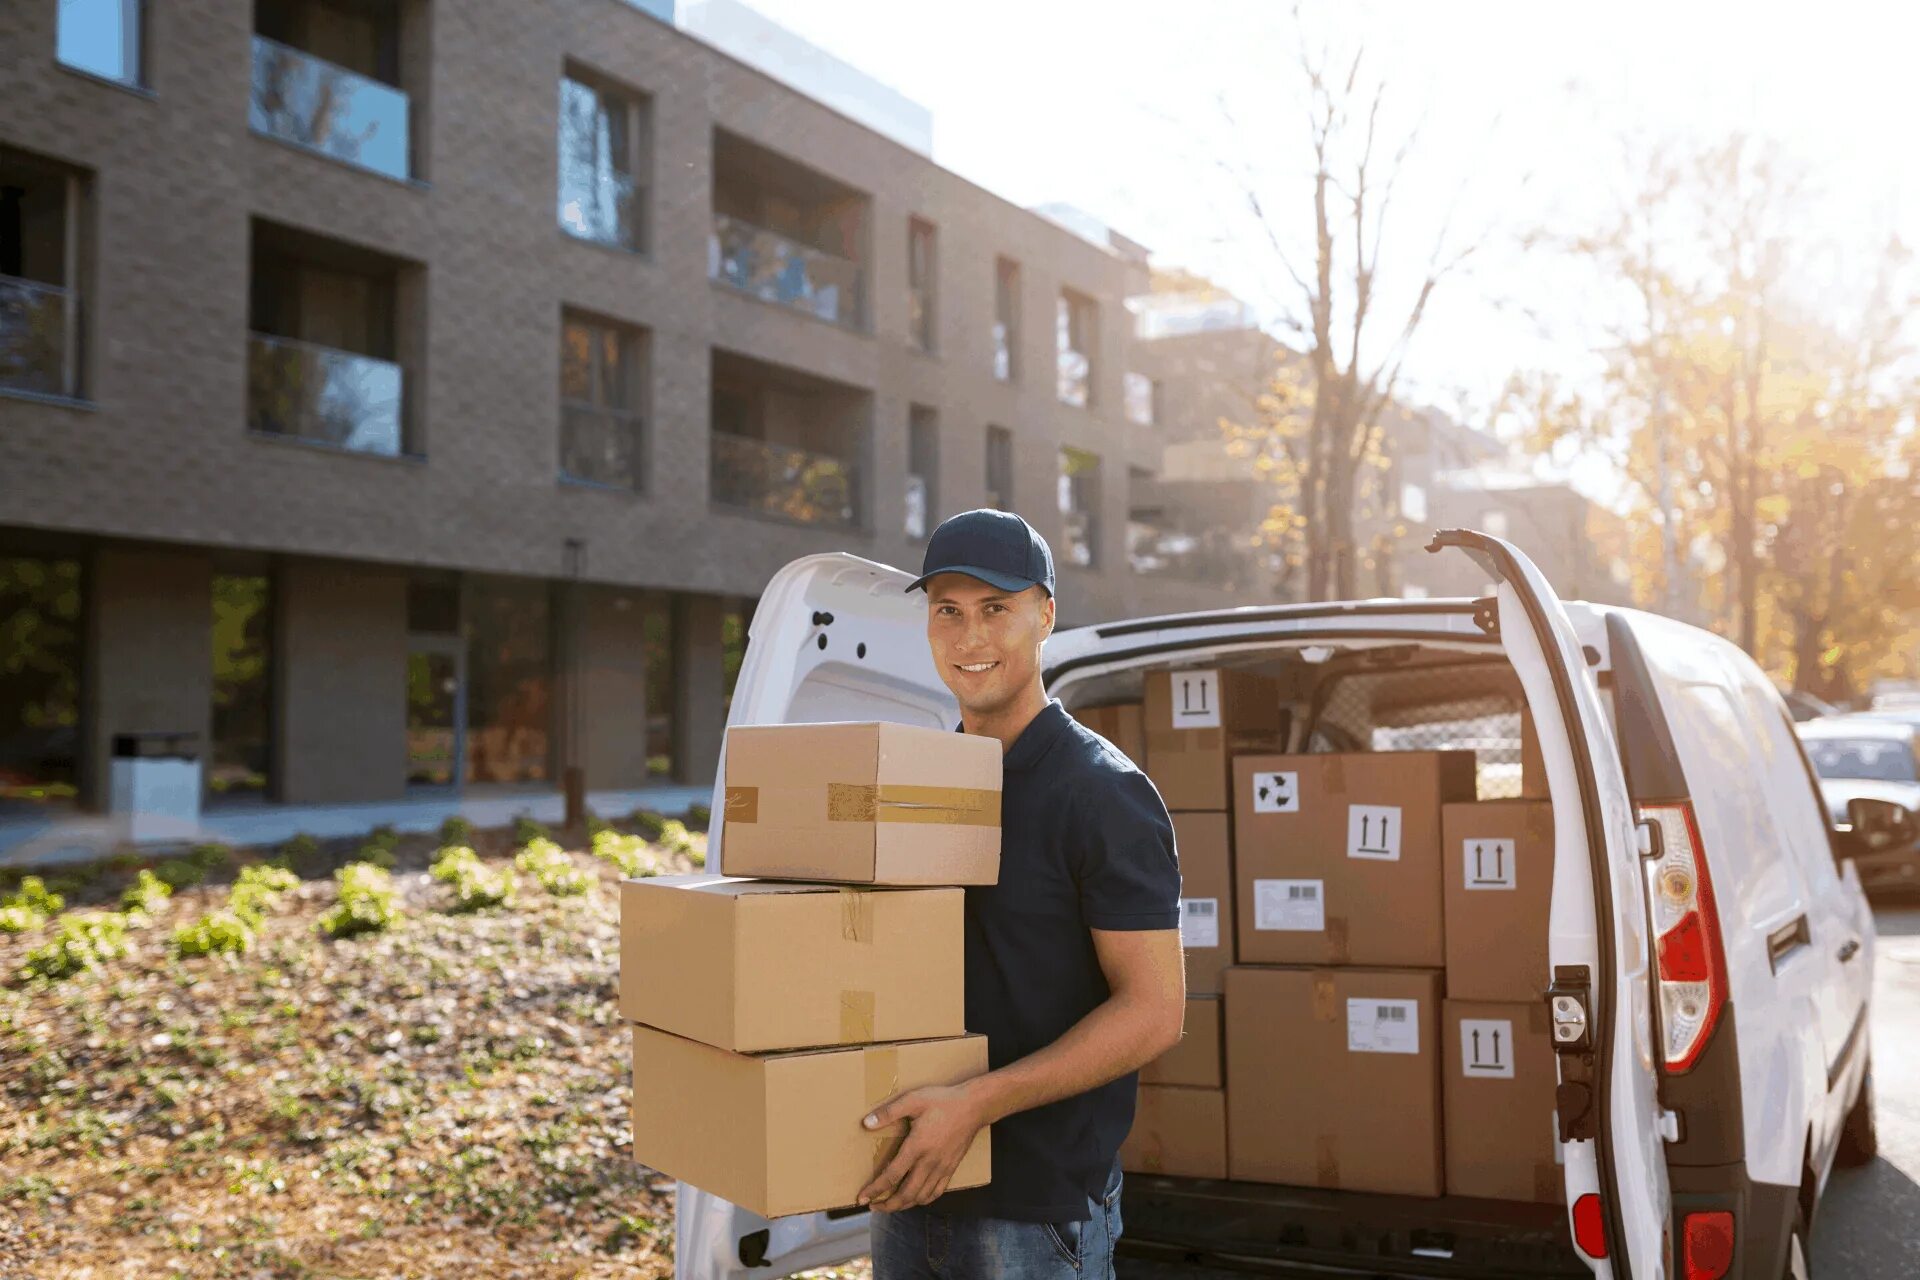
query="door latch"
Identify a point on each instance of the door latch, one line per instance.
(1570, 1010)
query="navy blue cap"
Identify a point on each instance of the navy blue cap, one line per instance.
(997, 547)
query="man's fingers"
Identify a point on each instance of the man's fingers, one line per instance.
(904, 1107)
(887, 1181)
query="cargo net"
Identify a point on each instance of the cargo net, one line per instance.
(1451, 706)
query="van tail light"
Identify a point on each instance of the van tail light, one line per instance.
(1692, 966)
(1588, 1231)
(1707, 1245)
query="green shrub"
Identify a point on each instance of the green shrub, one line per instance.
(629, 854)
(596, 824)
(456, 832)
(125, 861)
(29, 906)
(224, 932)
(548, 863)
(71, 885)
(380, 855)
(210, 857)
(179, 873)
(647, 823)
(475, 885)
(258, 891)
(302, 854)
(81, 940)
(674, 837)
(146, 895)
(698, 857)
(526, 830)
(699, 816)
(368, 903)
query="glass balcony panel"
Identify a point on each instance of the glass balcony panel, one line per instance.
(33, 336)
(600, 446)
(771, 479)
(324, 396)
(773, 268)
(340, 113)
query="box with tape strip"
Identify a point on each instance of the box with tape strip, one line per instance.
(1503, 1138)
(862, 803)
(1205, 845)
(1196, 721)
(1177, 1133)
(1195, 1062)
(1122, 724)
(781, 1133)
(754, 965)
(1337, 857)
(1333, 1079)
(1499, 885)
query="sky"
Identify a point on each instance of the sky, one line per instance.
(1157, 118)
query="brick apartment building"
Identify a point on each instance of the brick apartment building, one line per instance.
(380, 380)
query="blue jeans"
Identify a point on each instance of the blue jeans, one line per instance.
(926, 1244)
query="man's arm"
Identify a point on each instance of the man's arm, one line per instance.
(1140, 1020)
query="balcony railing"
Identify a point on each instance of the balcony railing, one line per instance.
(600, 204)
(324, 396)
(601, 446)
(773, 268)
(340, 113)
(771, 479)
(1212, 556)
(33, 337)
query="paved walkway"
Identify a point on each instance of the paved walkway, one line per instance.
(45, 838)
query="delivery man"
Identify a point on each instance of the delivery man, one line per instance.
(1073, 963)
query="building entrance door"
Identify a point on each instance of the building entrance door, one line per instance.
(436, 710)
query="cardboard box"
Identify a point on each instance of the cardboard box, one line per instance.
(1503, 1139)
(780, 1133)
(1196, 721)
(1195, 1062)
(862, 804)
(1178, 1133)
(1333, 1079)
(1337, 857)
(1205, 845)
(1121, 723)
(753, 965)
(1499, 892)
(1533, 766)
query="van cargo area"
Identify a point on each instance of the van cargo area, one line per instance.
(1444, 725)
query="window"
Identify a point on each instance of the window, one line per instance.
(326, 78)
(656, 643)
(239, 762)
(509, 681)
(1000, 468)
(601, 436)
(735, 625)
(1076, 323)
(920, 284)
(1494, 523)
(602, 143)
(1142, 399)
(1006, 319)
(40, 650)
(1413, 591)
(43, 251)
(923, 470)
(1413, 502)
(102, 37)
(1080, 505)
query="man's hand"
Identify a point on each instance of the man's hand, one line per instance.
(942, 1121)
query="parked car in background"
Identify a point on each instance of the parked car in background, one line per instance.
(1870, 757)
(1804, 706)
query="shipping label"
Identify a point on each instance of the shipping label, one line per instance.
(1383, 1026)
(1276, 792)
(1196, 699)
(1373, 832)
(1199, 922)
(1486, 1048)
(1487, 864)
(1290, 906)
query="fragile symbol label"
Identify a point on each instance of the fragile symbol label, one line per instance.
(1199, 922)
(1276, 793)
(1196, 699)
(1373, 831)
(1291, 906)
(1486, 1048)
(1383, 1026)
(1488, 864)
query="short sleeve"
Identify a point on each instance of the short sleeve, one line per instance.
(1129, 874)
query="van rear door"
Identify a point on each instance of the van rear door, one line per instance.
(834, 637)
(1601, 1005)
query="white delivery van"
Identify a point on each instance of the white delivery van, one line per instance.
(1711, 955)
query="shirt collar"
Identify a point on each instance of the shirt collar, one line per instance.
(1040, 733)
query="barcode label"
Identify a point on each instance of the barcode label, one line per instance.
(1199, 922)
(1292, 906)
(1383, 1026)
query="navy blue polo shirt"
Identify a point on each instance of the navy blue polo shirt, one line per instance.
(1085, 844)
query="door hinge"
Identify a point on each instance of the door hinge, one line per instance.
(1569, 1006)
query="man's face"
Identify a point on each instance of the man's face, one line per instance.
(985, 641)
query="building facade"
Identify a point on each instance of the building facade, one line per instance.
(419, 395)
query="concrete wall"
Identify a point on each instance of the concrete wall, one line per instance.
(614, 688)
(340, 675)
(149, 656)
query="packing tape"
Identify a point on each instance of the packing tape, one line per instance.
(905, 802)
(1326, 1161)
(856, 916)
(850, 801)
(1337, 940)
(1549, 1185)
(856, 1017)
(883, 1074)
(1325, 1007)
(743, 804)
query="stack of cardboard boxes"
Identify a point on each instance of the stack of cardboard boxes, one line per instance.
(771, 1015)
(1366, 956)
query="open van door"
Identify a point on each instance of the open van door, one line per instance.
(1601, 1001)
(834, 637)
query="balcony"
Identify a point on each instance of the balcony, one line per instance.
(317, 394)
(773, 268)
(792, 484)
(35, 355)
(342, 114)
(601, 446)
